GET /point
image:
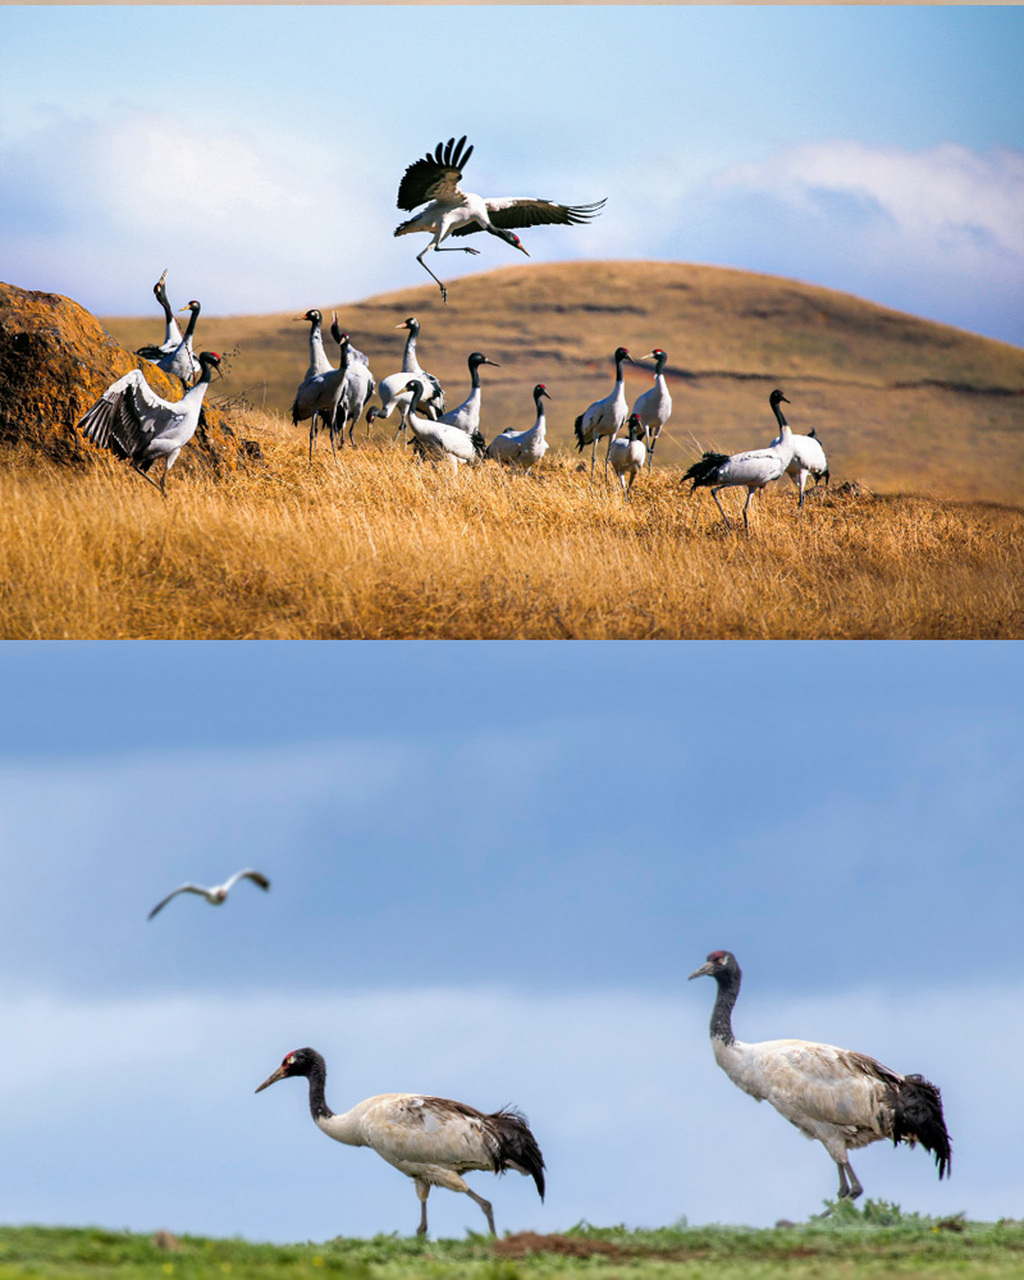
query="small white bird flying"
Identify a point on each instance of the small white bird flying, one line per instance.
(434, 182)
(431, 1140)
(217, 893)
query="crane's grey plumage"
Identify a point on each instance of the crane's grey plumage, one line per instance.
(133, 422)
(440, 440)
(181, 362)
(216, 893)
(466, 416)
(432, 1140)
(755, 468)
(843, 1099)
(433, 181)
(654, 407)
(521, 449)
(604, 417)
(627, 456)
(333, 396)
(392, 392)
(808, 456)
(318, 361)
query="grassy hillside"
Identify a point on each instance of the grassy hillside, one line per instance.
(902, 404)
(878, 1242)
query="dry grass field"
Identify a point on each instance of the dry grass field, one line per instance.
(383, 547)
(927, 419)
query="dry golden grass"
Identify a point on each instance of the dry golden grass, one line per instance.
(379, 546)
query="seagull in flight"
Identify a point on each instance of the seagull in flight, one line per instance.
(434, 181)
(217, 893)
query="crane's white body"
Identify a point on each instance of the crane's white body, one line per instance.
(466, 416)
(440, 440)
(654, 407)
(392, 389)
(604, 417)
(181, 362)
(808, 461)
(627, 456)
(133, 422)
(217, 893)
(522, 449)
(318, 360)
(338, 396)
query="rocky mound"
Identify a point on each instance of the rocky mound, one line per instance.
(56, 360)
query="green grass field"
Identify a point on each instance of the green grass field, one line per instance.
(877, 1241)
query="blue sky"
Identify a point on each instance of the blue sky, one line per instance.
(493, 867)
(256, 151)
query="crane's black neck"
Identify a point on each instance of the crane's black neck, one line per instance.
(474, 373)
(191, 324)
(317, 1078)
(659, 364)
(721, 1015)
(619, 360)
(161, 297)
(777, 406)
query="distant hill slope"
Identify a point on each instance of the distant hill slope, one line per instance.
(900, 403)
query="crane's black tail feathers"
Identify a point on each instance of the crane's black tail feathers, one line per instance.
(918, 1118)
(479, 444)
(578, 429)
(516, 1146)
(705, 472)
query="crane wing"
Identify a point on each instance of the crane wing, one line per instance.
(122, 419)
(509, 212)
(435, 176)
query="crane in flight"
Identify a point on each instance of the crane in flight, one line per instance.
(433, 181)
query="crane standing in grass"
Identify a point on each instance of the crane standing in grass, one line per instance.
(434, 1141)
(392, 391)
(753, 469)
(521, 449)
(843, 1099)
(654, 407)
(627, 456)
(133, 422)
(604, 417)
(808, 455)
(433, 181)
(466, 416)
(440, 440)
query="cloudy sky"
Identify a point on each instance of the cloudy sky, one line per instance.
(256, 151)
(493, 867)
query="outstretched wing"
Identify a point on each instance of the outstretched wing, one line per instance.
(435, 176)
(184, 888)
(527, 211)
(122, 419)
(256, 876)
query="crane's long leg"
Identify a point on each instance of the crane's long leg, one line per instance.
(422, 1190)
(714, 494)
(444, 291)
(750, 494)
(486, 1206)
(593, 456)
(146, 477)
(650, 451)
(848, 1189)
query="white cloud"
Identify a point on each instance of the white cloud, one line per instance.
(141, 1112)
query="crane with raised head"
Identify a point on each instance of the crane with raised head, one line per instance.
(654, 407)
(181, 362)
(433, 181)
(134, 423)
(466, 416)
(172, 334)
(391, 389)
(842, 1098)
(432, 1140)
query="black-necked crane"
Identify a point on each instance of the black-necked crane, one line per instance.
(357, 387)
(181, 362)
(434, 181)
(133, 422)
(466, 416)
(440, 440)
(842, 1098)
(627, 455)
(172, 334)
(754, 469)
(217, 893)
(318, 361)
(521, 449)
(328, 395)
(654, 407)
(392, 392)
(808, 455)
(604, 417)
(432, 1140)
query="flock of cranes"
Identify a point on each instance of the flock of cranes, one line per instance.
(139, 426)
(841, 1098)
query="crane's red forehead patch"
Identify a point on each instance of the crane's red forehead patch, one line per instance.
(717, 955)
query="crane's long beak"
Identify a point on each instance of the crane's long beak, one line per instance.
(649, 356)
(706, 970)
(523, 249)
(279, 1074)
(494, 362)
(163, 278)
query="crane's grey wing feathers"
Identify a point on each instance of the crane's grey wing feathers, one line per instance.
(509, 212)
(435, 176)
(121, 419)
(182, 888)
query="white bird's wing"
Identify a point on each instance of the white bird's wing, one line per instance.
(126, 416)
(435, 176)
(508, 212)
(183, 888)
(256, 876)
